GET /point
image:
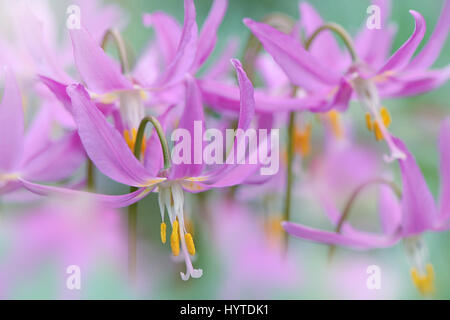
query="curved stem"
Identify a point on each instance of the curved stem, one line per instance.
(340, 31)
(121, 48)
(349, 204)
(132, 209)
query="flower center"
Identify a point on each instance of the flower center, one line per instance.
(422, 272)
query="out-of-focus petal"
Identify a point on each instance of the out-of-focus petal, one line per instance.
(208, 36)
(357, 240)
(11, 124)
(59, 91)
(98, 70)
(403, 55)
(104, 144)
(390, 210)
(167, 31)
(299, 65)
(221, 66)
(418, 206)
(57, 161)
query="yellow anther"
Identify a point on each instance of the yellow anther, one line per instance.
(302, 140)
(131, 140)
(377, 131)
(335, 123)
(190, 243)
(163, 232)
(175, 239)
(385, 116)
(424, 283)
(369, 122)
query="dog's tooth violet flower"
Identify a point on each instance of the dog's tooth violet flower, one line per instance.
(407, 220)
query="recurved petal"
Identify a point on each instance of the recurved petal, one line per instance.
(403, 55)
(357, 240)
(418, 206)
(104, 144)
(299, 65)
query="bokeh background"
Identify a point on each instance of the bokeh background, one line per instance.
(227, 248)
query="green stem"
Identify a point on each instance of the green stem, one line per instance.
(349, 204)
(340, 31)
(290, 151)
(133, 209)
(121, 48)
(90, 175)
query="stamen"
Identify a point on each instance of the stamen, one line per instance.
(131, 140)
(386, 117)
(424, 283)
(369, 122)
(190, 243)
(335, 123)
(163, 232)
(377, 131)
(175, 239)
(302, 140)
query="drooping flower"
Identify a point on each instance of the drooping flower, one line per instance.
(112, 156)
(407, 220)
(33, 156)
(398, 76)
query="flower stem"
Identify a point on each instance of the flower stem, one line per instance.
(132, 209)
(90, 175)
(121, 48)
(349, 204)
(340, 31)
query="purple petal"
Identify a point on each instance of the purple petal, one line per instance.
(186, 50)
(59, 91)
(208, 35)
(357, 240)
(11, 124)
(193, 111)
(57, 161)
(113, 201)
(418, 206)
(390, 210)
(98, 70)
(402, 56)
(299, 65)
(104, 144)
(432, 49)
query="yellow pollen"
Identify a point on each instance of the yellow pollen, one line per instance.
(302, 140)
(163, 232)
(175, 239)
(424, 283)
(369, 123)
(131, 140)
(377, 131)
(190, 243)
(385, 116)
(335, 123)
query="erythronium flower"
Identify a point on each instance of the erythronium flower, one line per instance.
(33, 156)
(111, 155)
(307, 71)
(407, 220)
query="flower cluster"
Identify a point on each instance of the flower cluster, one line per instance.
(73, 109)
